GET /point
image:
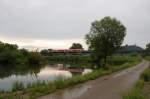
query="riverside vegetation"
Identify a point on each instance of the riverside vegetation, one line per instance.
(11, 55)
(138, 91)
(32, 91)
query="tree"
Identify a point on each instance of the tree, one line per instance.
(105, 37)
(76, 46)
(34, 58)
(9, 54)
(44, 52)
(148, 46)
(24, 51)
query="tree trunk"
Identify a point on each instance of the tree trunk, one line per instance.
(98, 62)
(105, 60)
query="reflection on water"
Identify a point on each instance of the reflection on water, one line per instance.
(45, 74)
(31, 74)
(86, 71)
(72, 93)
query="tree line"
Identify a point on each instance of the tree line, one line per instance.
(11, 55)
(105, 37)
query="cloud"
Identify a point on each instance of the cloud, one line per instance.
(43, 43)
(60, 20)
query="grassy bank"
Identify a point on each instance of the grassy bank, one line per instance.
(69, 58)
(147, 58)
(75, 60)
(138, 91)
(86, 61)
(41, 88)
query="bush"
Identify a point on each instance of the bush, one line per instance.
(117, 60)
(146, 75)
(34, 58)
(9, 56)
(70, 58)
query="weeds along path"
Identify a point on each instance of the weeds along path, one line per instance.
(107, 87)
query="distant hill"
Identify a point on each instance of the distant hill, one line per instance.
(130, 49)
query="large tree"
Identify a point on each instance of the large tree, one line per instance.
(76, 46)
(104, 38)
(148, 46)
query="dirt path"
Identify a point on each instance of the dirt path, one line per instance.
(107, 87)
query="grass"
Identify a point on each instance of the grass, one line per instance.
(147, 58)
(77, 61)
(137, 92)
(17, 86)
(70, 58)
(42, 88)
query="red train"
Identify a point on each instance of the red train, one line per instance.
(68, 51)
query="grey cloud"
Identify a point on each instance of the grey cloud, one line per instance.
(65, 19)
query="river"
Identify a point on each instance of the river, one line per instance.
(28, 75)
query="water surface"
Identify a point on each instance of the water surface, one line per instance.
(28, 74)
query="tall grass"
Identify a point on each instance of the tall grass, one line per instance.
(147, 58)
(17, 86)
(146, 75)
(70, 58)
(137, 92)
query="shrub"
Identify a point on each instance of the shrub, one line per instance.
(34, 58)
(146, 75)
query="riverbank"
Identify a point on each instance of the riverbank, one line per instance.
(40, 89)
(106, 87)
(141, 89)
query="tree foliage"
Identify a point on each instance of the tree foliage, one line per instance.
(148, 46)
(11, 55)
(105, 37)
(34, 58)
(45, 52)
(76, 46)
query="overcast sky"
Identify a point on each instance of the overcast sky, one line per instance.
(58, 23)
